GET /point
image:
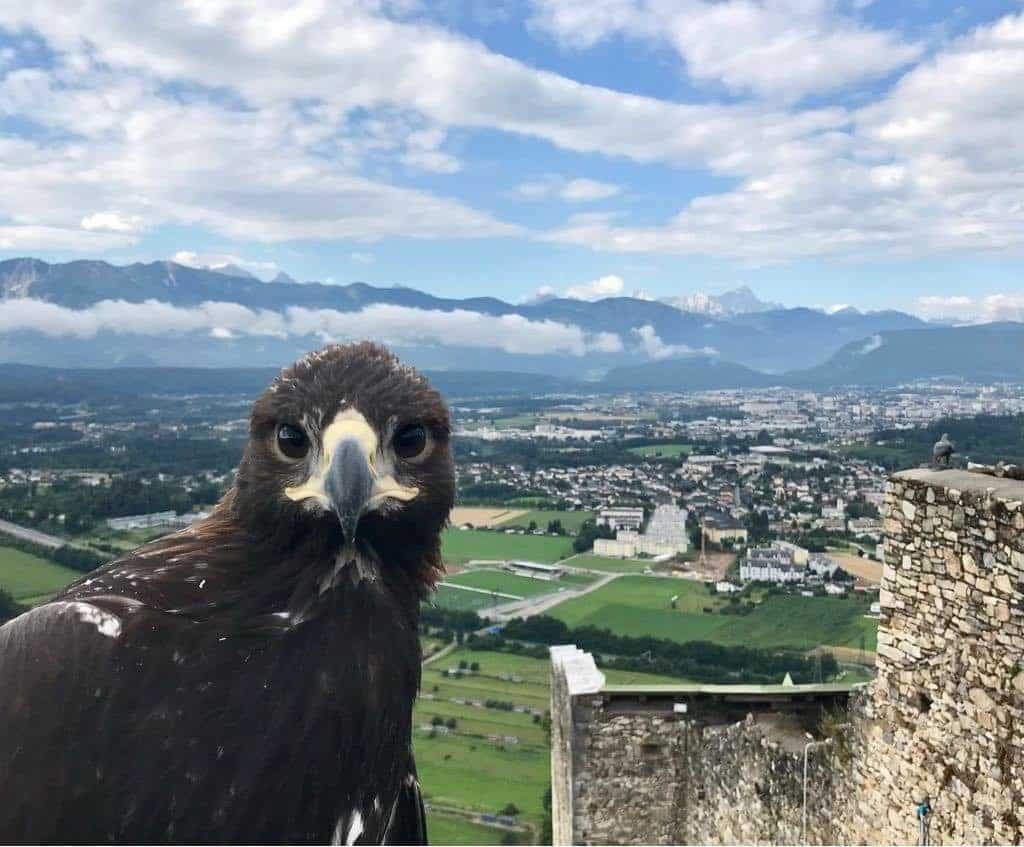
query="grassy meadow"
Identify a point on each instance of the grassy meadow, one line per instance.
(571, 521)
(459, 546)
(30, 579)
(641, 605)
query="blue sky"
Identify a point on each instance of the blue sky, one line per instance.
(823, 152)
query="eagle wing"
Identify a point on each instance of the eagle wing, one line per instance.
(54, 669)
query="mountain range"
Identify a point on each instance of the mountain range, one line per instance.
(64, 313)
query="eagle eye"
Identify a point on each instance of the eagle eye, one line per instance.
(292, 441)
(410, 441)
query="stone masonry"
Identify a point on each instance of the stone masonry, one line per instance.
(944, 721)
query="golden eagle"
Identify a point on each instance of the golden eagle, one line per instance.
(250, 679)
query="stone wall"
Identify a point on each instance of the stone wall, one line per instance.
(945, 719)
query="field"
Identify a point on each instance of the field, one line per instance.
(455, 829)
(462, 601)
(459, 546)
(664, 451)
(571, 521)
(520, 586)
(638, 605)
(29, 579)
(465, 769)
(867, 570)
(483, 515)
(608, 564)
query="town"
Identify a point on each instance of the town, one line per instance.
(736, 534)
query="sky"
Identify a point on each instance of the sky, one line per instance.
(823, 152)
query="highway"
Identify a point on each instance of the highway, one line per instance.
(33, 535)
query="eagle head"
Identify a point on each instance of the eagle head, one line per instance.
(349, 448)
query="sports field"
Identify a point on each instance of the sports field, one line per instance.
(462, 545)
(460, 600)
(664, 451)
(30, 579)
(608, 564)
(641, 605)
(571, 521)
(506, 583)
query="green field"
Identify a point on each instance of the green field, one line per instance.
(608, 564)
(445, 829)
(459, 546)
(506, 583)
(31, 579)
(639, 605)
(462, 601)
(571, 521)
(664, 451)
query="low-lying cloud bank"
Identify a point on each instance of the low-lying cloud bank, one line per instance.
(398, 325)
(985, 309)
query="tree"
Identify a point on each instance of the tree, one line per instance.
(511, 809)
(9, 607)
(474, 666)
(589, 532)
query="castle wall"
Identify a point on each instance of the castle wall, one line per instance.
(943, 721)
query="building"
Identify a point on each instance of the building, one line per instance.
(153, 519)
(779, 562)
(534, 570)
(665, 536)
(719, 528)
(667, 529)
(621, 517)
(821, 565)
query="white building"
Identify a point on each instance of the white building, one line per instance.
(779, 562)
(621, 517)
(143, 521)
(665, 537)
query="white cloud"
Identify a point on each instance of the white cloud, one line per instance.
(609, 285)
(283, 151)
(936, 165)
(986, 309)
(653, 346)
(578, 190)
(112, 222)
(774, 48)
(583, 190)
(396, 325)
(605, 286)
(362, 257)
(217, 261)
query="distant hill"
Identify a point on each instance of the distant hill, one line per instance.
(739, 327)
(988, 352)
(693, 373)
(32, 383)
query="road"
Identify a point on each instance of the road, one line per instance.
(539, 605)
(33, 535)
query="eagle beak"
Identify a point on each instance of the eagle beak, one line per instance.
(352, 477)
(349, 485)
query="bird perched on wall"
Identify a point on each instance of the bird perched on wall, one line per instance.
(942, 452)
(250, 678)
